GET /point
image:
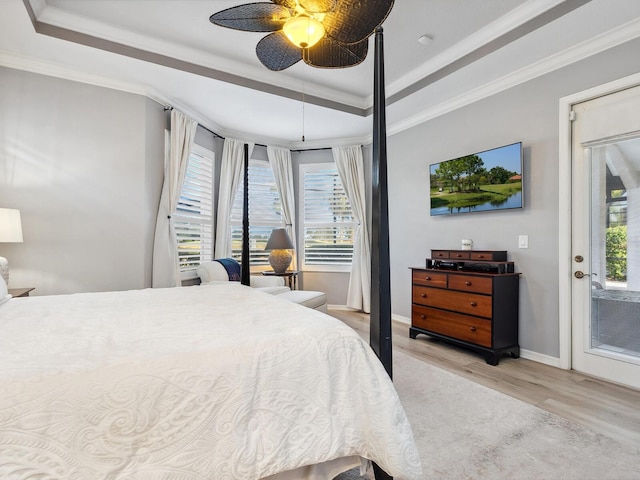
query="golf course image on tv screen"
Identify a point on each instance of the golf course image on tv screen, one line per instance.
(484, 181)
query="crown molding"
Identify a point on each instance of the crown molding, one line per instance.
(29, 64)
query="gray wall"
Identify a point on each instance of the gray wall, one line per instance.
(527, 113)
(84, 165)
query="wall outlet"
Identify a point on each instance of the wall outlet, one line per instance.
(523, 241)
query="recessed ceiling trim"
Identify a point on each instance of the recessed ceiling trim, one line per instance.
(167, 61)
(513, 28)
(605, 41)
(513, 19)
(485, 49)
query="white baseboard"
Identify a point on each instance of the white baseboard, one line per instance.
(339, 307)
(540, 358)
(398, 318)
(401, 319)
(528, 354)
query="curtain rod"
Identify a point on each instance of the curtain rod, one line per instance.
(311, 149)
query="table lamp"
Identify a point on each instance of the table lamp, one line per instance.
(10, 232)
(280, 245)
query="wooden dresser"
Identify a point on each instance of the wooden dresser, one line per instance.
(470, 298)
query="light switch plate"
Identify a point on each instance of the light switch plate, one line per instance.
(523, 241)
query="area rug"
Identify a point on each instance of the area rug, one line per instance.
(466, 431)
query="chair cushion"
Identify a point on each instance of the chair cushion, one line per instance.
(308, 298)
(274, 290)
(215, 272)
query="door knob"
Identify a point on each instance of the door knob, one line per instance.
(579, 274)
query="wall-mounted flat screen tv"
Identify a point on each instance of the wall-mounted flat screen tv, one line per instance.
(483, 181)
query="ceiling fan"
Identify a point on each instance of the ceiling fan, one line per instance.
(323, 33)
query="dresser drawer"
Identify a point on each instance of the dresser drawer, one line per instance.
(455, 325)
(450, 254)
(456, 255)
(496, 256)
(427, 278)
(470, 283)
(470, 303)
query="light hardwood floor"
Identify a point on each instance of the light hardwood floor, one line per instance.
(606, 408)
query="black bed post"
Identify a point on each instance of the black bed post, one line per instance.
(244, 273)
(380, 319)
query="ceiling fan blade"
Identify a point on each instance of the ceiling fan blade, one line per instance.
(252, 17)
(276, 52)
(354, 20)
(331, 54)
(311, 6)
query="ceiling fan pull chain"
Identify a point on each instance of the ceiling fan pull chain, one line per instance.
(303, 112)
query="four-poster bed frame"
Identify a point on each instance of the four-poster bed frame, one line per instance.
(380, 317)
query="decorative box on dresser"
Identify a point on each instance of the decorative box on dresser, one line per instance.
(470, 298)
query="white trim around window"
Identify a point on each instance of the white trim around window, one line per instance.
(265, 214)
(194, 216)
(327, 225)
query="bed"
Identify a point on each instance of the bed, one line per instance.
(209, 382)
(206, 382)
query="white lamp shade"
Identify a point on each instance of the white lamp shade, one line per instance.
(10, 226)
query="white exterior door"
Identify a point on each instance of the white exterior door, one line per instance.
(605, 238)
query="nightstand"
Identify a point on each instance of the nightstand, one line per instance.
(20, 292)
(292, 277)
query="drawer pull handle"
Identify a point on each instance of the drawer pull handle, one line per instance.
(458, 255)
(427, 278)
(473, 329)
(423, 317)
(480, 256)
(467, 283)
(474, 304)
(423, 295)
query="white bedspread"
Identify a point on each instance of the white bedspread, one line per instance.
(210, 382)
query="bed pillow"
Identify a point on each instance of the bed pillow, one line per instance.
(4, 293)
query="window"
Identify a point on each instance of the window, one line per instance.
(193, 219)
(265, 213)
(328, 224)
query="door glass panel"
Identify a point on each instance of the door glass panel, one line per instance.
(615, 249)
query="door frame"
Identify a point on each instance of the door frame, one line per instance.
(564, 205)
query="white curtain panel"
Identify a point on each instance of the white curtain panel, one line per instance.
(280, 161)
(231, 170)
(350, 166)
(166, 268)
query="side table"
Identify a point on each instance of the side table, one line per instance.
(20, 292)
(292, 277)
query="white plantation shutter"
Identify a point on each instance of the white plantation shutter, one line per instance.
(327, 217)
(265, 213)
(193, 219)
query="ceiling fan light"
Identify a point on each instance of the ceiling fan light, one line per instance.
(303, 31)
